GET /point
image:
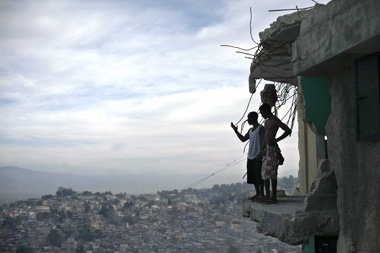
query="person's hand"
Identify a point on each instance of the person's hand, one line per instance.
(234, 127)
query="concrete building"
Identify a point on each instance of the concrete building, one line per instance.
(332, 54)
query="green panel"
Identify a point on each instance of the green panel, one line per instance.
(367, 90)
(317, 101)
(310, 247)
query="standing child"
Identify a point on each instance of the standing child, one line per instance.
(255, 135)
(271, 151)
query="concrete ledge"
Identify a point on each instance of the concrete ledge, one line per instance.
(285, 206)
(288, 221)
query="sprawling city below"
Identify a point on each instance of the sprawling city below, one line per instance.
(191, 220)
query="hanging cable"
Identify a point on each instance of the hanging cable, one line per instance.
(234, 162)
(244, 49)
(250, 25)
(246, 109)
(245, 146)
(293, 9)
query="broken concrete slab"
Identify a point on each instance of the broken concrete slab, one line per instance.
(288, 222)
(294, 219)
(274, 61)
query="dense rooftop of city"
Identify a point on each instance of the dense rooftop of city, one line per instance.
(207, 220)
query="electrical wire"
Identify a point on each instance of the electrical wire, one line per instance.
(230, 164)
(249, 49)
(246, 109)
(249, 102)
(250, 26)
(291, 9)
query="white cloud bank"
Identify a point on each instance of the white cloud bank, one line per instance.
(123, 86)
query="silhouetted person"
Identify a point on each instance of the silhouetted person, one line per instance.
(255, 135)
(271, 150)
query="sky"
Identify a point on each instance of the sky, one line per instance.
(118, 87)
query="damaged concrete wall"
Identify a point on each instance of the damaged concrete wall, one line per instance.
(330, 41)
(273, 61)
(357, 169)
(322, 190)
(336, 35)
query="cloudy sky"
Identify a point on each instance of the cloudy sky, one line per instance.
(108, 87)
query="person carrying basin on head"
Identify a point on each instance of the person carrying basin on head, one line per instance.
(271, 151)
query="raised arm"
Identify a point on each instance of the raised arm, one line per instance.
(241, 137)
(287, 131)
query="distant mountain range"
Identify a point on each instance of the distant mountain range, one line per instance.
(18, 183)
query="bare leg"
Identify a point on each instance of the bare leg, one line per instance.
(257, 189)
(260, 196)
(258, 193)
(267, 192)
(274, 190)
(261, 186)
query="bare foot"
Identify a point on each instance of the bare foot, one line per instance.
(254, 197)
(273, 200)
(265, 200)
(260, 197)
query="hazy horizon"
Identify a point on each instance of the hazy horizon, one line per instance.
(21, 183)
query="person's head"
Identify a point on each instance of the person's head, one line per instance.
(252, 118)
(265, 111)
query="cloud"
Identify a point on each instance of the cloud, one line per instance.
(123, 86)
